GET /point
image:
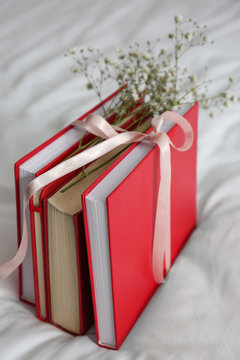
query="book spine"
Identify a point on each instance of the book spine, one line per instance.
(37, 210)
(90, 265)
(84, 288)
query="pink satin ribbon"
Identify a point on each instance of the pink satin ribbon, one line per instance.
(98, 126)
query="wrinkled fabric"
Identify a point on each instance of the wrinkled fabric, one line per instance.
(194, 315)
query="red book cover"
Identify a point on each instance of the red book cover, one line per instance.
(22, 295)
(130, 214)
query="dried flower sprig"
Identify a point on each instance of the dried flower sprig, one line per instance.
(153, 74)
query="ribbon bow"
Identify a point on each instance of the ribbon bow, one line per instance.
(98, 126)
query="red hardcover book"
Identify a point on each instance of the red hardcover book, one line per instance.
(51, 295)
(119, 211)
(38, 247)
(27, 168)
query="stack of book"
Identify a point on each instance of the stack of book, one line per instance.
(91, 237)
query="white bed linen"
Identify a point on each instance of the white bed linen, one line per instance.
(195, 314)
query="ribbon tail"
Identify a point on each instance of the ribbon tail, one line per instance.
(162, 231)
(8, 267)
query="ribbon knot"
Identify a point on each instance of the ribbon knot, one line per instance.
(115, 136)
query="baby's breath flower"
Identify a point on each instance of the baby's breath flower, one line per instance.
(152, 72)
(178, 19)
(89, 86)
(234, 98)
(180, 47)
(74, 69)
(192, 78)
(141, 87)
(212, 114)
(73, 50)
(135, 95)
(90, 48)
(232, 79)
(128, 70)
(146, 56)
(134, 54)
(146, 70)
(188, 36)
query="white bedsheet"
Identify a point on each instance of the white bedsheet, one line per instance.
(195, 314)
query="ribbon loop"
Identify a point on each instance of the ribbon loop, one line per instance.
(98, 126)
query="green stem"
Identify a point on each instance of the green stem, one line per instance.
(176, 64)
(85, 174)
(178, 101)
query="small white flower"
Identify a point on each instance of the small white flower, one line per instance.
(145, 76)
(186, 69)
(146, 56)
(232, 79)
(212, 114)
(225, 95)
(180, 47)
(226, 103)
(141, 87)
(193, 78)
(165, 62)
(74, 69)
(135, 95)
(90, 48)
(234, 98)
(109, 61)
(89, 86)
(134, 53)
(128, 71)
(205, 38)
(73, 50)
(146, 70)
(163, 51)
(188, 36)
(178, 19)
(118, 50)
